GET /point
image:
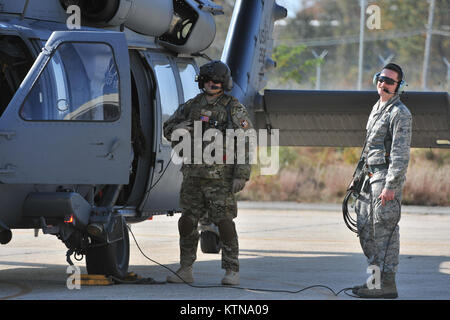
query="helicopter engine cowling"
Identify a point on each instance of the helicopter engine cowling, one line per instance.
(148, 17)
(182, 26)
(193, 27)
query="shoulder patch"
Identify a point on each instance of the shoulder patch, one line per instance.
(244, 124)
(238, 110)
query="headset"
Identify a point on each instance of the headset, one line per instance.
(400, 85)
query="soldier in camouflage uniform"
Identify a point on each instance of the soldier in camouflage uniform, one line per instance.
(386, 154)
(208, 189)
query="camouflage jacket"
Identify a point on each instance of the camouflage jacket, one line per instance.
(388, 140)
(212, 115)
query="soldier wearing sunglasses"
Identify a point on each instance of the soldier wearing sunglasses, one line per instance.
(386, 155)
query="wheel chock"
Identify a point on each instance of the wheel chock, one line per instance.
(102, 280)
(133, 278)
(95, 280)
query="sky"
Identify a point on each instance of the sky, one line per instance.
(291, 5)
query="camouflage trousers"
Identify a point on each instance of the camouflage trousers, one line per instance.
(212, 200)
(377, 225)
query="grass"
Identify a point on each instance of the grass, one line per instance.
(312, 174)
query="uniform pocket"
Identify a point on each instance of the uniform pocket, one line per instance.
(231, 205)
(376, 157)
(387, 214)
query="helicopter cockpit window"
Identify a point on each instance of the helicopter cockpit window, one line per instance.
(187, 76)
(80, 83)
(167, 90)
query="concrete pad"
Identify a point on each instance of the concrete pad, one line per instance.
(281, 253)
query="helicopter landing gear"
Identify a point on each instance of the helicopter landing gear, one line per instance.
(110, 257)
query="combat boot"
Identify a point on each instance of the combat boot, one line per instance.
(356, 288)
(183, 274)
(231, 278)
(388, 288)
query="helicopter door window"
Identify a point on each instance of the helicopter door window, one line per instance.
(15, 62)
(80, 83)
(167, 90)
(187, 76)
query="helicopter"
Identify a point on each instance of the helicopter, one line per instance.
(87, 85)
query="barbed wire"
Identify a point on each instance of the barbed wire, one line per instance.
(329, 41)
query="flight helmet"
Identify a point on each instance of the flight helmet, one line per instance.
(216, 71)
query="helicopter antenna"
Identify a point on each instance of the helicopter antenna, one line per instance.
(24, 10)
(202, 55)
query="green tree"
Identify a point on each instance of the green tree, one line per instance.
(292, 64)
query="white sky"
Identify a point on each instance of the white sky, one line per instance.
(291, 5)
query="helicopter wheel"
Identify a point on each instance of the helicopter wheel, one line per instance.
(210, 242)
(110, 259)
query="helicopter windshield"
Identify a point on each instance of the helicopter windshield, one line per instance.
(80, 83)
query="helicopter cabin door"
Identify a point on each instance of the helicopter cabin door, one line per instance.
(175, 85)
(70, 120)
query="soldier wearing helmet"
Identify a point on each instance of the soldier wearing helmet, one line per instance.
(218, 72)
(208, 189)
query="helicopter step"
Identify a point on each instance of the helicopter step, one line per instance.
(69, 206)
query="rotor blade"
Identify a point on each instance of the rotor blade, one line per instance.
(338, 118)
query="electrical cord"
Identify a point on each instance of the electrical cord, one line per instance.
(162, 174)
(349, 221)
(237, 287)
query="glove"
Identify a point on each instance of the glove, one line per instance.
(187, 125)
(238, 185)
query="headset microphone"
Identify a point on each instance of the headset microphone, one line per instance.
(214, 87)
(387, 91)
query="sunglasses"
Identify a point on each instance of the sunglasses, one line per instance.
(388, 80)
(205, 79)
(215, 81)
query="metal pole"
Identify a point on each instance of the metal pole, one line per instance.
(319, 67)
(448, 73)
(361, 42)
(22, 15)
(385, 61)
(318, 71)
(426, 58)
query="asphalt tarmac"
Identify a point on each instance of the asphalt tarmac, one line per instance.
(284, 248)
